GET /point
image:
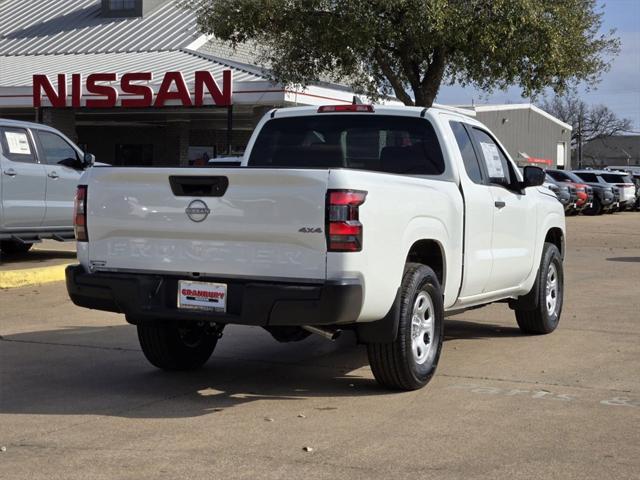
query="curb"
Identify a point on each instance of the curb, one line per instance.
(32, 276)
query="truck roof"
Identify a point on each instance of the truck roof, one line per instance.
(400, 110)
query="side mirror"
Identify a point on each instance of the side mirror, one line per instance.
(533, 176)
(88, 160)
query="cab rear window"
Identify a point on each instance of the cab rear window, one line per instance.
(381, 143)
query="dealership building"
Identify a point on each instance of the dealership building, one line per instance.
(135, 83)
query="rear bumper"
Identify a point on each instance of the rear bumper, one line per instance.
(148, 297)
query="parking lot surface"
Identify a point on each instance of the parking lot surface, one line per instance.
(78, 399)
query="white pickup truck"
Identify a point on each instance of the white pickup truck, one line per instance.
(382, 220)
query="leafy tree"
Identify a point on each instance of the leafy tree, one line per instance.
(408, 48)
(590, 122)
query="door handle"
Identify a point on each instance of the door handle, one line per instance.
(499, 204)
(53, 175)
(10, 171)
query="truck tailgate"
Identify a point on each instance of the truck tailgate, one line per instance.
(265, 223)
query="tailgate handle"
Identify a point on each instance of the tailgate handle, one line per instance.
(183, 186)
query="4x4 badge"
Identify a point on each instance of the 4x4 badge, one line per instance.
(310, 230)
(197, 211)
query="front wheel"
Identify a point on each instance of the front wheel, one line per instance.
(409, 362)
(177, 346)
(548, 290)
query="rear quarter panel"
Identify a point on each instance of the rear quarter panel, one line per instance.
(398, 211)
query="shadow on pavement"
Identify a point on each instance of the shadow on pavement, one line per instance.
(100, 370)
(469, 330)
(624, 259)
(34, 258)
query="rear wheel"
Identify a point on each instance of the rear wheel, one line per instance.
(548, 289)
(177, 346)
(409, 362)
(11, 247)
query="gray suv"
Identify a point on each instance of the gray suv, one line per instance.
(39, 172)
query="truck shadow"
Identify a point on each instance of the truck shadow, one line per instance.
(101, 371)
(34, 258)
(470, 330)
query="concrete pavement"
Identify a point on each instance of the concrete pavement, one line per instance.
(78, 400)
(44, 263)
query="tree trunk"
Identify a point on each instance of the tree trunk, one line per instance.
(427, 90)
(394, 79)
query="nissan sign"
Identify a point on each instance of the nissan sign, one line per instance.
(133, 90)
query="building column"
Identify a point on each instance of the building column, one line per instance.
(64, 119)
(178, 142)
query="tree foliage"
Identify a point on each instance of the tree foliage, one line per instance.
(590, 121)
(408, 48)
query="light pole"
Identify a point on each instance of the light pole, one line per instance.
(579, 141)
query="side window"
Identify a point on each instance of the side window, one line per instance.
(495, 161)
(469, 157)
(16, 145)
(55, 148)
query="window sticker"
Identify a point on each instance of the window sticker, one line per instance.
(492, 158)
(17, 143)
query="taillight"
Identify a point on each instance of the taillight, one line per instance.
(345, 108)
(80, 214)
(344, 230)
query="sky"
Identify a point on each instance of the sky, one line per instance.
(619, 88)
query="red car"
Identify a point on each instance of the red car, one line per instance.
(585, 197)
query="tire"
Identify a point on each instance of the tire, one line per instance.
(10, 247)
(549, 289)
(408, 363)
(172, 346)
(595, 208)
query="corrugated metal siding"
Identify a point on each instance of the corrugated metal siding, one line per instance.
(243, 52)
(18, 71)
(39, 27)
(528, 132)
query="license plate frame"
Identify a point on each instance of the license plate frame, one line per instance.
(203, 296)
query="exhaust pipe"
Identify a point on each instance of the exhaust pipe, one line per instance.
(323, 332)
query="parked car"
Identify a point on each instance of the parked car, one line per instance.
(566, 194)
(634, 175)
(603, 195)
(40, 172)
(616, 200)
(636, 180)
(627, 187)
(626, 190)
(340, 217)
(584, 193)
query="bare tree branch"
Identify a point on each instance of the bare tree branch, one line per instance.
(591, 121)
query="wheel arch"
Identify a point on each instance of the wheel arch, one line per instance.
(555, 235)
(431, 253)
